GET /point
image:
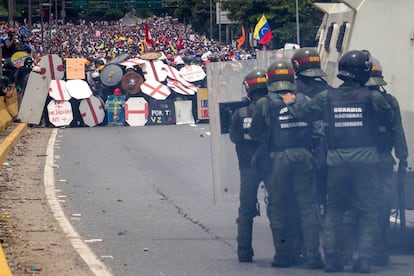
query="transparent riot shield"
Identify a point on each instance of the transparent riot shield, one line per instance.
(225, 94)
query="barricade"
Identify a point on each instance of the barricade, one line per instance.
(5, 117)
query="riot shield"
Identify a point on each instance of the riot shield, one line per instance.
(225, 94)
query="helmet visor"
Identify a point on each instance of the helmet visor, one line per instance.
(278, 86)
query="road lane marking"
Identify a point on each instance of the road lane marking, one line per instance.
(95, 265)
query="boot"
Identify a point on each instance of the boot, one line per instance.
(244, 241)
(281, 261)
(313, 260)
(282, 257)
(332, 264)
(362, 265)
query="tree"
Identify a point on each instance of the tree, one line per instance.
(281, 15)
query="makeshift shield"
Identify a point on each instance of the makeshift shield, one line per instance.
(92, 111)
(51, 66)
(79, 89)
(132, 62)
(60, 113)
(180, 88)
(34, 99)
(58, 90)
(18, 58)
(111, 75)
(119, 59)
(192, 73)
(136, 111)
(155, 89)
(116, 115)
(183, 112)
(161, 112)
(131, 82)
(154, 70)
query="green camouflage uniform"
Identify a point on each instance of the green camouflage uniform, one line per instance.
(250, 180)
(292, 204)
(389, 138)
(352, 170)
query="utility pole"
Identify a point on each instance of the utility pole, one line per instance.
(11, 12)
(297, 24)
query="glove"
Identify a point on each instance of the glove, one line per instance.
(402, 167)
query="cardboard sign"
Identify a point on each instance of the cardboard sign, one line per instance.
(202, 104)
(75, 68)
(136, 111)
(60, 113)
(116, 115)
(161, 112)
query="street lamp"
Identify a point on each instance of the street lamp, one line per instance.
(211, 20)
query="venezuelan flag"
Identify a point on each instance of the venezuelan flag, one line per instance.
(262, 32)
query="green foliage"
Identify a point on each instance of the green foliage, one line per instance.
(281, 15)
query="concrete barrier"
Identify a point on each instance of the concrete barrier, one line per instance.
(8, 143)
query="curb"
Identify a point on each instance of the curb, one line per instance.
(5, 147)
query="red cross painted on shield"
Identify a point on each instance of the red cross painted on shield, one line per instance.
(137, 111)
(156, 89)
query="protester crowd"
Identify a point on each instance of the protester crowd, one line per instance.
(108, 39)
(294, 191)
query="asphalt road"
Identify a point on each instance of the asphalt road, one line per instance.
(141, 198)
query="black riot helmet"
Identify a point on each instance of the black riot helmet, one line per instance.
(255, 82)
(356, 66)
(28, 62)
(375, 77)
(306, 62)
(281, 77)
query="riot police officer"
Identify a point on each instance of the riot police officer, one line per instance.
(310, 81)
(255, 84)
(389, 138)
(309, 75)
(290, 180)
(352, 111)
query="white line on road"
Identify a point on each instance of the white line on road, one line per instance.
(87, 255)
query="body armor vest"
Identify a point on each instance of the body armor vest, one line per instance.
(247, 147)
(384, 133)
(351, 118)
(288, 132)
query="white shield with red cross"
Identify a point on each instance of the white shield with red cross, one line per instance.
(173, 73)
(154, 70)
(92, 111)
(79, 89)
(155, 89)
(178, 87)
(60, 113)
(136, 111)
(192, 73)
(132, 62)
(51, 66)
(58, 90)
